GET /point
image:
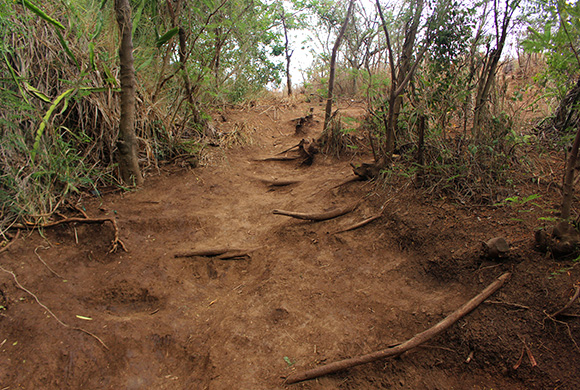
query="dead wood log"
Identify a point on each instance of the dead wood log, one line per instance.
(337, 212)
(413, 342)
(115, 244)
(359, 224)
(220, 253)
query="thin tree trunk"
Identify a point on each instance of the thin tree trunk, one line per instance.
(288, 53)
(127, 142)
(420, 148)
(401, 78)
(328, 111)
(568, 187)
(488, 72)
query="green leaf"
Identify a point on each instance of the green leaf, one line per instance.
(46, 118)
(15, 77)
(137, 16)
(166, 37)
(288, 361)
(144, 64)
(91, 56)
(98, 28)
(36, 93)
(42, 14)
(66, 48)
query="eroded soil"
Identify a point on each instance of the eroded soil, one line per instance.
(303, 297)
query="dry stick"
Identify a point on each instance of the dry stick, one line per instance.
(570, 302)
(359, 224)
(49, 311)
(11, 242)
(116, 240)
(318, 216)
(407, 345)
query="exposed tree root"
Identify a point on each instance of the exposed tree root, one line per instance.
(570, 302)
(351, 179)
(5, 248)
(278, 158)
(302, 122)
(368, 171)
(115, 244)
(220, 253)
(415, 341)
(359, 224)
(20, 286)
(318, 216)
(279, 183)
(289, 149)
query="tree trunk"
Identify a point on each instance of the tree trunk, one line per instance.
(288, 53)
(488, 72)
(127, 142)
(333, 65)
(568, 187)
(401, 78)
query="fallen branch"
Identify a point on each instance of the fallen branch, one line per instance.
(359, 224)
(318, 216)
(570, 302)
(220, 253)
(407, 345)
(115, 244)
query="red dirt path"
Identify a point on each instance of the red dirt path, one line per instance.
(304, 297)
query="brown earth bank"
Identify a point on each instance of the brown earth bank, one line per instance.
(298, 294)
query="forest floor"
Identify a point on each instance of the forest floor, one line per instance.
(304, 296)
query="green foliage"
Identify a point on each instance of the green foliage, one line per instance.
(554, 30)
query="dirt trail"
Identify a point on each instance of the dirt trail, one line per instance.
(304, 296)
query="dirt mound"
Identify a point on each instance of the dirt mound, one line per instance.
(304, 295)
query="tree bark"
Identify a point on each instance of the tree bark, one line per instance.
(328, 111)
(401, 77)
(568, 187)
(127, 142)
(288, 53)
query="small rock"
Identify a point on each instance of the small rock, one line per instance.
(496, 247)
